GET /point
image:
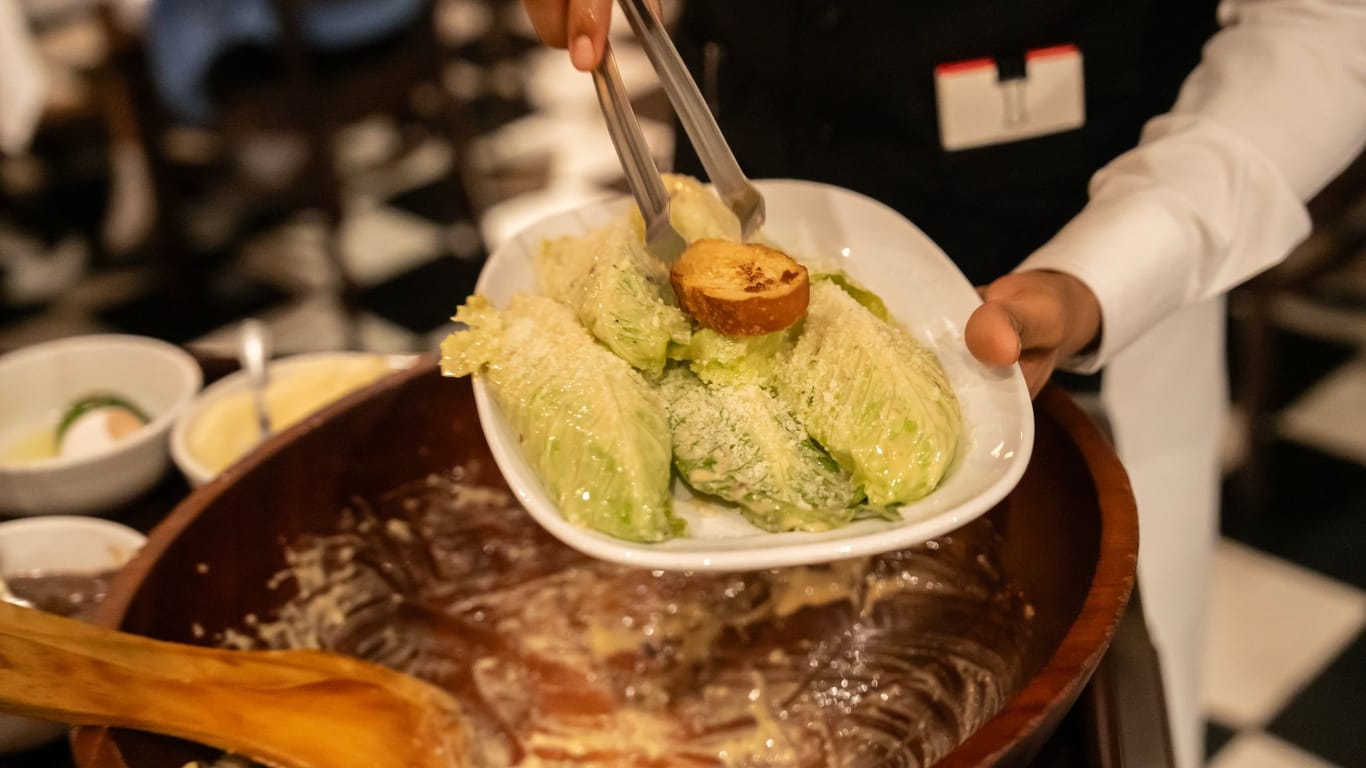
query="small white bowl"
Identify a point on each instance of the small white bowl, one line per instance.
(57, 544)
(239, 435)
(38, 383)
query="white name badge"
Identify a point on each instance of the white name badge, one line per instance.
(977, 108)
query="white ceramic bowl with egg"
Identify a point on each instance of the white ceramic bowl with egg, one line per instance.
(57, 544)
(221, 427)
(39, 384)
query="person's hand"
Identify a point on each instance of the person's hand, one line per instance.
(1036, 318)
(579, 25)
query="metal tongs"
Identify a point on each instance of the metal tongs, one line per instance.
(642, 174)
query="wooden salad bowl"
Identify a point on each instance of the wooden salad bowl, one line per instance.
(1069, 541)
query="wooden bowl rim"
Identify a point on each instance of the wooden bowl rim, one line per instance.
(1091, 632)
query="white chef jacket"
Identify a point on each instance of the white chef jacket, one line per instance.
(1212, 195)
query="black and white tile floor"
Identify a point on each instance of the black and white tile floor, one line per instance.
(1285, 659)
(1285, 671)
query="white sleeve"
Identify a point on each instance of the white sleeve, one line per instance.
(1214, 193)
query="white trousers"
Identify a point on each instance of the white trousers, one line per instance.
(1166, 398)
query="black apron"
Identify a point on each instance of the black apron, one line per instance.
(844, 93)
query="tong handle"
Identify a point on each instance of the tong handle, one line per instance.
(636, 161)
(698, 122)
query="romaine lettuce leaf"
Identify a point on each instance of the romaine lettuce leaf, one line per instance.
(618, 291)
(871, 395)
(697, 213)
(737, 442)
(720, 359)
(694, 211)
(860, 294)
(594, 431)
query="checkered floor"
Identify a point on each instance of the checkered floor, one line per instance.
(1286, 661)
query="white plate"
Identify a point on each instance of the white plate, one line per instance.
(816, 224)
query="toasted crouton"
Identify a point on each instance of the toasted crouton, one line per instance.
(740, 289)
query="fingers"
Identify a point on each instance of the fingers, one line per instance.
(1037, 368)
(579, 25)
(587, 31)
(550, 19)
(1024, 318)
(1034, 305)
(992, 336)
(1020, 313)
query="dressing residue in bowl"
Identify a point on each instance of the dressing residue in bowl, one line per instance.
(64, 594)
(559, 659)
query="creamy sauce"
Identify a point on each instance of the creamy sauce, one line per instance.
(35, 443)
(228, 427)
(562, 660)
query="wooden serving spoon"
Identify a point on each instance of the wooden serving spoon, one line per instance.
(290, 709)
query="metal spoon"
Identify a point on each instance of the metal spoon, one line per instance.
(253, 352)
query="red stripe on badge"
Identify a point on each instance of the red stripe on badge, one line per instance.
(1051, 51)
(963, 66)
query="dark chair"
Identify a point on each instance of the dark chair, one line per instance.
(291, 87)
(1309, 273)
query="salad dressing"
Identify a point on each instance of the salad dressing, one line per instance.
(33, 444)
(558, 659)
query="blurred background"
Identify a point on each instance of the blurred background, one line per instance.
(344, 179)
